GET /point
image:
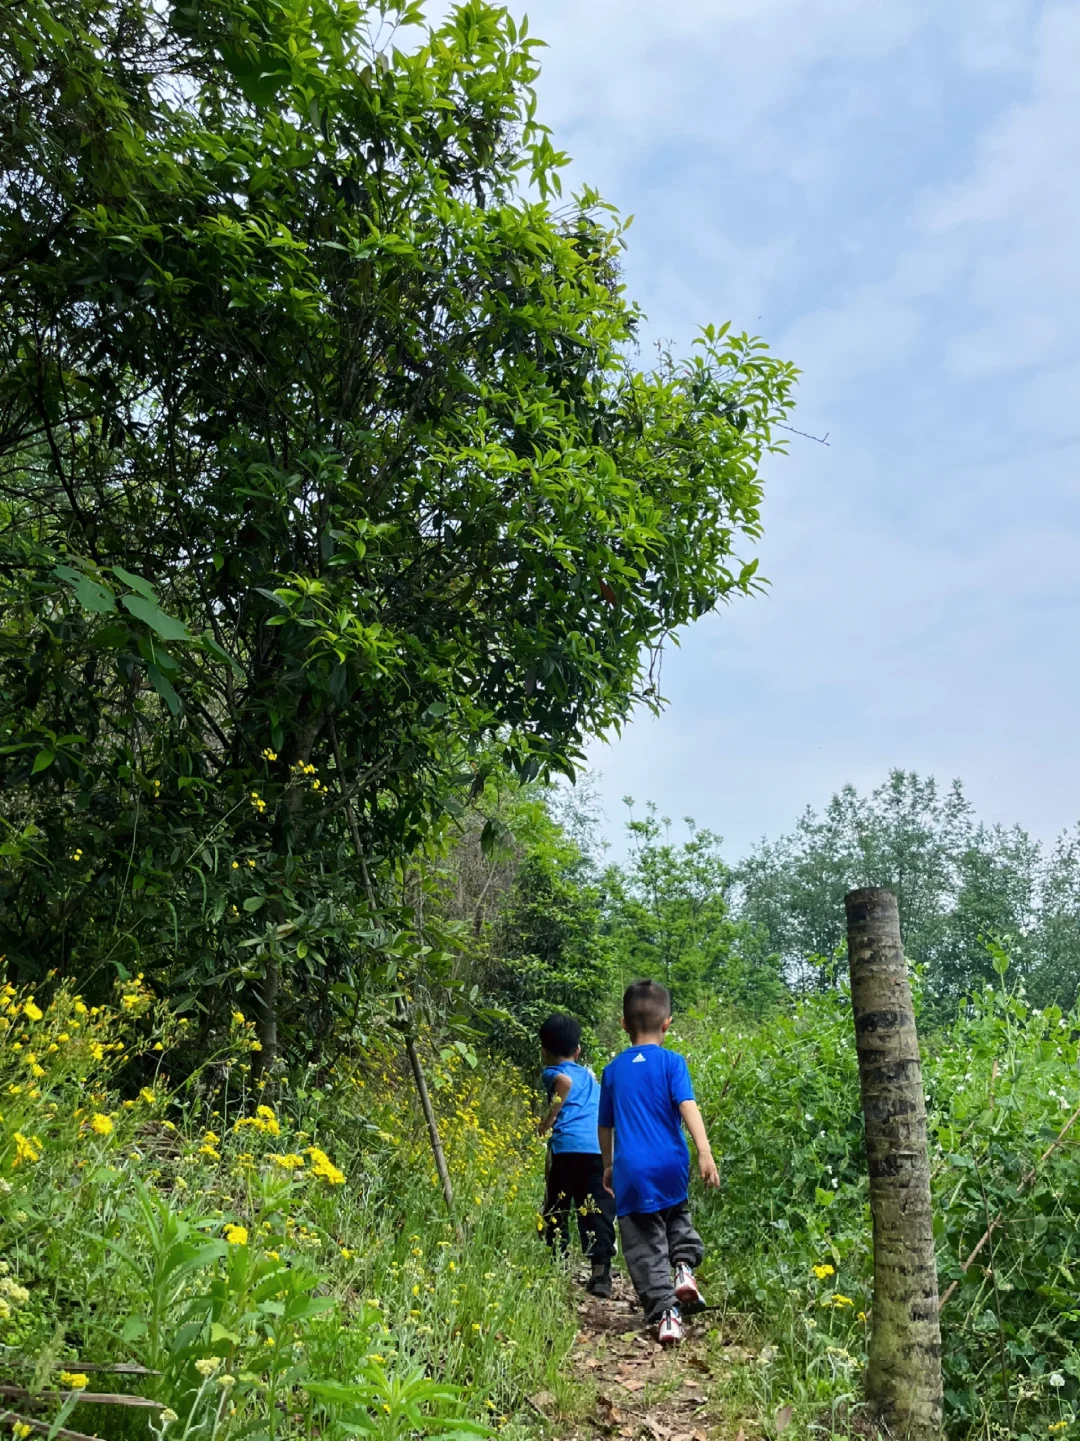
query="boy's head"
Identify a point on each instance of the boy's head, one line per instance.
(646, 1009)
(560, 1037)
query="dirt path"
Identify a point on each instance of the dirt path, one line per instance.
(643, 1390)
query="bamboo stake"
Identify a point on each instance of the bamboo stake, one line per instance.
(410, 1040)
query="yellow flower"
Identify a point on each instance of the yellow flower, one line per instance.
(289, 1162)
(101, 1125)
(824, 1270)
(274, 1255)
(21, 1429)
(80, 1008)
(209, 1151)
(861, 1316)
(321, 1165)
(841, 1301)
(32, 1011)
(26, 1149)
(346, 1254)
(236, 1235)
(147, 1095)
(211, 1138)
(75, 1380)
(207, 1365)
(269, 755)
(266, 1112)
(238, 1018)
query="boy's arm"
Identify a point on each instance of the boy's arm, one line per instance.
(691, 1116)
(606, 1135)
(560, 1089)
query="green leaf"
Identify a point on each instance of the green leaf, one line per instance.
(164, 689)
(135, 582)
(254, 903)
(42, 761)
(166, 626)
(92, 596)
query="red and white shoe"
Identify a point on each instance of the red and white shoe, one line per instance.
(670, 1331)
(686, 1288)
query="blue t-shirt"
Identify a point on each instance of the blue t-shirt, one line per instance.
(640, 1095)
(575, 1125)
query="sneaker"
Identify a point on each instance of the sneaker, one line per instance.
(686, 1288)
(599, 1283)
(670, 1331)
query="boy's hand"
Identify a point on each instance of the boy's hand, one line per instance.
(607, 1181)
(707, 1166)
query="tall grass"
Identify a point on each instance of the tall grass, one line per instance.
(283, 1263)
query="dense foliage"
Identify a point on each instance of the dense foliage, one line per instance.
(328, 483)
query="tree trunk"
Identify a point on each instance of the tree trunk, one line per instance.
(903, 1377)
(266, 1030)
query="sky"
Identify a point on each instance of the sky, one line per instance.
(888, 191)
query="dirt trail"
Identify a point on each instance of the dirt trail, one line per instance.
(643, 1390)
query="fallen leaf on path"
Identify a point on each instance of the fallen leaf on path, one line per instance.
(740, 1435)
(782, 1419)
(699, 1436)
(629, 1385)
(542, 1400)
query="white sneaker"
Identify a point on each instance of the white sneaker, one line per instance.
(670, 1331)
(686, 1288)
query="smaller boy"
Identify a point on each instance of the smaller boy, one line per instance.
(575, 1174)
(645, 1099)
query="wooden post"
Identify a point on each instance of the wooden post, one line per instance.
(903, 1377)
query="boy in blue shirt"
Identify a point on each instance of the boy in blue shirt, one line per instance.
(645, 1100)
(575, 1175)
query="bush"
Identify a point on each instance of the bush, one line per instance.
(280, 1270)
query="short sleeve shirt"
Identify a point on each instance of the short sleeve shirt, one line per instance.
(640, 1095)
(575, 1125)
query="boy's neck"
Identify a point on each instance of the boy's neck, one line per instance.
(648, 1038)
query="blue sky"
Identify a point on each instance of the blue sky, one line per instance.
(889, 192)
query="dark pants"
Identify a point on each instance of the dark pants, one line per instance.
(576, 1182)
(653, 1243)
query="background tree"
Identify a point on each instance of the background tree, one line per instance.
(669, 917)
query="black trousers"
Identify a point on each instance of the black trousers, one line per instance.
(576, 1183)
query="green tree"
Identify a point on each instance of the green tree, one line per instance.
(956, 881)
(324, 468)
(670, 919)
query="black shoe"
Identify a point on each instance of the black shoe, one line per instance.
(599, 1283)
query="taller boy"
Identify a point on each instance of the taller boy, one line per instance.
(645, 1099)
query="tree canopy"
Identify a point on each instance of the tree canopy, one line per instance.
(329, 478)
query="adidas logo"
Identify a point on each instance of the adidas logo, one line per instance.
(639, 1057)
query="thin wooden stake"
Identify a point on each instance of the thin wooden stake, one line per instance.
(410, 1040)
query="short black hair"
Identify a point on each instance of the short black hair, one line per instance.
(560, 1035)
(645, 1006)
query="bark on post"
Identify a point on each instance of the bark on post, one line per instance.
(903, 1378)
